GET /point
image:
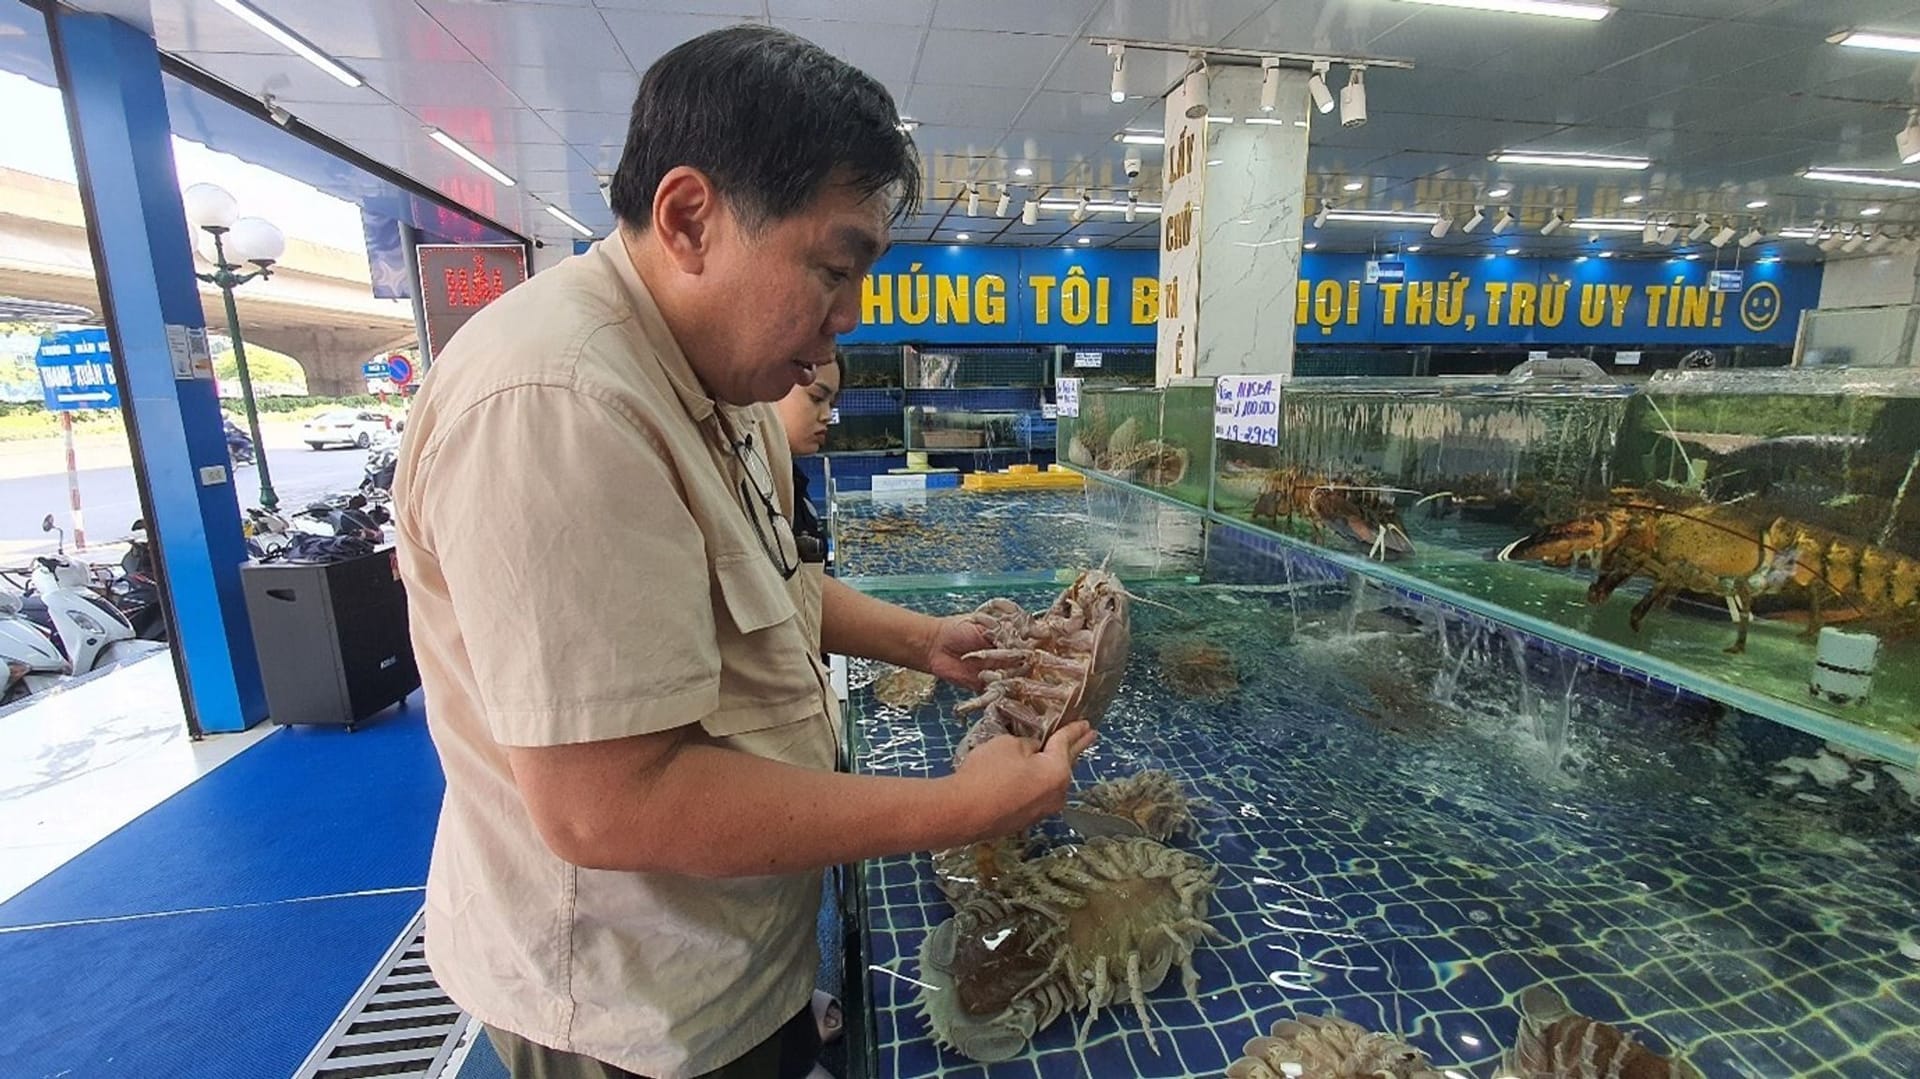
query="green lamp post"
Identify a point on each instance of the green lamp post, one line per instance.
(238, 242)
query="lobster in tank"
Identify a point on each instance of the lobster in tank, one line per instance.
(1061, 666)
(1363, 514)
(1731, 553)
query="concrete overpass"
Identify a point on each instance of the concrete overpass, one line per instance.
(318, 306)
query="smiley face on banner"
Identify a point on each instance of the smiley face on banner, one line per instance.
(1760, 307)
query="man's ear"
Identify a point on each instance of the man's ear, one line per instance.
(686, 217)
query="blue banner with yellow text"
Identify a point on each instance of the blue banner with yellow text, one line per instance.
(957, 295)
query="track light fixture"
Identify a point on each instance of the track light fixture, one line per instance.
(1196, 89)
(1669, 232)
(1119, 54)
(1133, 205)
(1854, 242)
(1320, 217)
(1700, 227)
(1836, 239)
(1554, 221)
(1269, 83)
(1317, 87)
(1442, 226)
(1754, 235)
(1030, 213)
(1504, 222)
(1006, 202)
(973, 201)
(1880, 242)
(1650, 232)
(1479, 218)
(1725, 235)
(1814, 237)
(1353, 99)
(1080, 210)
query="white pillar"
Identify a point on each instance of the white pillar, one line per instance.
(1231, 226)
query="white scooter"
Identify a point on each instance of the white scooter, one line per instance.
(28, 657)
(92, 631)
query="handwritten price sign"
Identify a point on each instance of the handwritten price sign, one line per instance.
(1246, 408)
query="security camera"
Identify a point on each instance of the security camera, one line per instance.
(1133, 164)
(276, 111)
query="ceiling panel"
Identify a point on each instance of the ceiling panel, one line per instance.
(644, 36)
(531, 35)
(1199, 22)
(872, 12)
(989, 58)
(888, 53)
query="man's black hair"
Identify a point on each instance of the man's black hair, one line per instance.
(769, 117)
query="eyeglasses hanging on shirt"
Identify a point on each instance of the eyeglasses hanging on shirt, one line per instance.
(757, 499)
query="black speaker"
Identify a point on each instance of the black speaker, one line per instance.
(332, 638)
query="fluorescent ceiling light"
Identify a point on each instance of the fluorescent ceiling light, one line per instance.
(1212, 119)
(1861, 39)
(1871, 211)
(1354, 185)
(1558, 9)
(1500, 192)
(1834, 176)
(469, 156)
(963, 236)
(567, 220)
(245, 13)
(1798, 234)
(1270, 121)
(1570, 161)
(1632, 200)
(1607, 224)
(1092, 206)
(1023, 171)
(1380, 217)
(1757, 204)
(1084, 241)
(1143, 138)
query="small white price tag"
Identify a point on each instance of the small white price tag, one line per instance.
(1049, 412)
(833, 417)
(1088, 359)
(1246, 408)
(1066, 396)
(1626, 359)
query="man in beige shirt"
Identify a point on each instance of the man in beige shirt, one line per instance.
(618, 638)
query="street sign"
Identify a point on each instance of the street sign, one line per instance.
(1727, 280)
(399, 371)
(76, 371)
(374, 369)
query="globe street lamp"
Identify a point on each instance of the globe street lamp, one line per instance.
(244, 240)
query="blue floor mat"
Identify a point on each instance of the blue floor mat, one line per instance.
(223, 994)
(309, 811)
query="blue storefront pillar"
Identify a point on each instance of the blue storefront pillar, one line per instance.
(117, 111)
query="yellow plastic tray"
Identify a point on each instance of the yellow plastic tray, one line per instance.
(1024, 478)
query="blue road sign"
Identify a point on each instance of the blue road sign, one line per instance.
(76, 371)
(399, 371)
(374, 369)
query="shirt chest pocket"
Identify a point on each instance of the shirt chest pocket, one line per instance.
(766, 676)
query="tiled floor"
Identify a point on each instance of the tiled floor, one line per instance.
(80, 763)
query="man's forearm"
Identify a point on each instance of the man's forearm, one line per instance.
(715, 812)
(855, 624)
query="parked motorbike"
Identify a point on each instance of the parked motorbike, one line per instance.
(136, 591)
(91, 631)
(32, 662)
(382, 458)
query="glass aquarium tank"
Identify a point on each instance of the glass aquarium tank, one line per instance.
(1118, 433)
(1323, 807)
(1717, 528)
(870, 421)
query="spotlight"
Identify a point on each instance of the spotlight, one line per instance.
(1317, 86)
(1269, 83)
(1030, 213)
(1725, 235)
(276, 111)
(1353, 99)
(1854, 243)
(1650, 232)
(1320, 217)
(1908, 140)
(1754, 235)
(1196, 90)
(1553, 224)
(1006, 202)
(1834, 240)
(1119, 54)
(1479, 218)
(1504, 222)
(1668, 232)
(1080, 211)
(1442, 226)
(1880, 242)
(1813, 238)
(1700, 227)
(973, 201)
(1500, 192)
(1133, 206)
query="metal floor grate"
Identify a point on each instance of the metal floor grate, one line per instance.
(400, 1023)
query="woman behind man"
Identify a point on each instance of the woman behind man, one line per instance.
(804, 413)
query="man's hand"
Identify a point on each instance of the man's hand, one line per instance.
(952, 639)
(1013, 785)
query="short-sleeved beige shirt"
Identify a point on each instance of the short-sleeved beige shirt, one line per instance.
(580, 567)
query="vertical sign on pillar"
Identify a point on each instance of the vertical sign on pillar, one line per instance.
(457, 280)
(1184, 169)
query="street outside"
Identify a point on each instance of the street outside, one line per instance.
(33, 483)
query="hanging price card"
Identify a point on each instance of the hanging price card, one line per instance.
(1246, 408)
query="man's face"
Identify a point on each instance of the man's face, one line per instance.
(777, 299)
